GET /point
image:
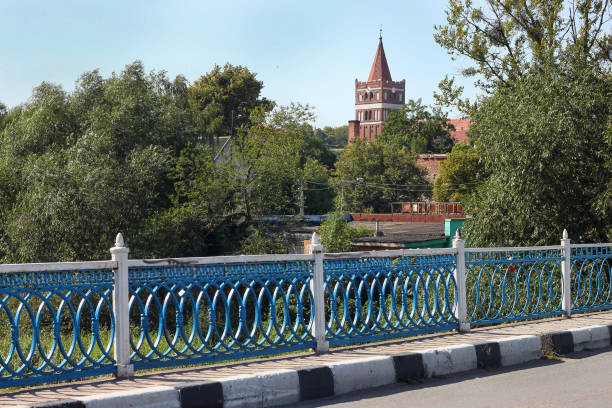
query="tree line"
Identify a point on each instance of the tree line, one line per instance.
(135, 152)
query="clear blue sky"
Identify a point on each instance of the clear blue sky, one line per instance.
(308, 52)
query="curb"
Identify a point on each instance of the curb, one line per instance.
(283, 387)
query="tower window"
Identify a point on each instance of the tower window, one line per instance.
(361, 97)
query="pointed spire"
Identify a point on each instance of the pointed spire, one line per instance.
(380, 68)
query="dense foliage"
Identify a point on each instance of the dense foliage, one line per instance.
(132, 153)
(416, 128)
(543, 125)
(334, 136)
(222, 99)
(337, 236)
(376, 174)
(546, 145)
(459, 174)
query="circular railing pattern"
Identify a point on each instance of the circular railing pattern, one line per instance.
(370, 298)
(591, 277)
(219, 312)
(511, 285)
(54, 323)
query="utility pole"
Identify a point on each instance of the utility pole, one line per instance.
(302, 199)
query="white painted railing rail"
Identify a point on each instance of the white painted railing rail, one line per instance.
(57, 266)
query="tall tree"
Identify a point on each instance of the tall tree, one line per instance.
(504, 38)
(76, 168)
(542, 125)
(278, 155)
(546, 145)
(376, 174)
(222, 99)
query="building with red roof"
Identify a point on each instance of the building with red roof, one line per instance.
(459, 135)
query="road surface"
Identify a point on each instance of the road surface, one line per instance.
(577, 380)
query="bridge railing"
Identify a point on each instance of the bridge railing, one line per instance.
(66, 321)
(56, 321)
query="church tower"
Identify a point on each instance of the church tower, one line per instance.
(375, 98)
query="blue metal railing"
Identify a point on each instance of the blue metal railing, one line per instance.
(591, 275)
(380, 298)
(510, 285)
(60, 324)
(55, 325)
(204, 313)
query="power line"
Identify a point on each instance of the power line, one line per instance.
(386, 186)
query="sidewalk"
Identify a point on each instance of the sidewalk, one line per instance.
(287, 379)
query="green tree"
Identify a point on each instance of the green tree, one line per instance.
(76, 168)
(316, 149)
(222, 99)
(459, 174)
(545, 142)
(263, 241)
(334, 136)
(205, 217)
(3, 112)
(377, 174)
(338, 236)
(319, 195)
(503, 39)
(418, 129)
(540, 127)
(279, 154)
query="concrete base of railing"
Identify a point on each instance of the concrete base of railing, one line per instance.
(283, 387)
(124, 370)
(322, 347)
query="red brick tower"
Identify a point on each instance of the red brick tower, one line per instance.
(375, 98)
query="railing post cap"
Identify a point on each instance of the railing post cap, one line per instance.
(458, 233)
(315, 243)
(119, 242)
(565, 236)
(119, 245)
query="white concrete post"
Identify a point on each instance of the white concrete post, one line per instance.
(119, 253)
(566, 273)
(317, 287)
(461, 293)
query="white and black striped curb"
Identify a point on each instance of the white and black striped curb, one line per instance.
(283, 387)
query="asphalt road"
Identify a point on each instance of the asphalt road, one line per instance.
(577, 380)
